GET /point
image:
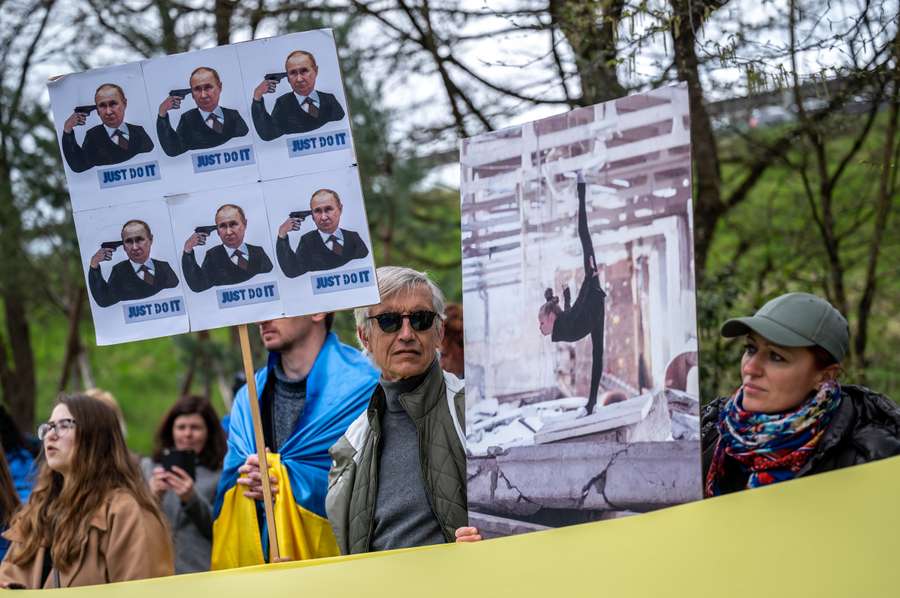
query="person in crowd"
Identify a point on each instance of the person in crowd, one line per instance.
(310, 391)
(91, 518)
(112, 142)
(452, 347)
(19, 452)
(300, 110)
(205, 126)
(791, 417)
(9, 502)
(586, 316)
(399, 473)
(186, 497)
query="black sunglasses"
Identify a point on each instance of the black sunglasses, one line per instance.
(392, 321)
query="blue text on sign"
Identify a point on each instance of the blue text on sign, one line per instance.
(247, 295)
(142, 311)
(128, 175)
(228, 158)
(341, 281)
(306, 145)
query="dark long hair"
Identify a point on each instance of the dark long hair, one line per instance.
(9, 500)
(58, 515)
(213, 451)
(551, 304)
(12, 438)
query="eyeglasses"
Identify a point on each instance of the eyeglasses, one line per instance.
(392, 321)
(61, 428)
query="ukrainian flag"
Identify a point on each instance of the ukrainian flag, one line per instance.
(338, 389)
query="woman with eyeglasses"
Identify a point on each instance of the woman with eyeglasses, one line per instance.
(189, 430)
(790, 417)
(585, 317)
(90, 518)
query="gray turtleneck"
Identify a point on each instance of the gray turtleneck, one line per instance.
(403, 514)
(290, 397)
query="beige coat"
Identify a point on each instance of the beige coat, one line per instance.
(124, 542)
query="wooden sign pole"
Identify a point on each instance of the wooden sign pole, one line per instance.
(274, 555)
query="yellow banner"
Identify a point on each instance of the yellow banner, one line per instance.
(835, 534)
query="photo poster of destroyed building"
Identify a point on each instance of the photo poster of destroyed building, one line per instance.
(581, 336)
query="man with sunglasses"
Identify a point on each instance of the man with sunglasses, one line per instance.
(398, 478)
(311, 390)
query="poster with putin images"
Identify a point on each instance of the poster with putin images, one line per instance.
(581, 337)
(107, 137)
(202, 120)
(222, 147)
(131, 272)
(323, 253)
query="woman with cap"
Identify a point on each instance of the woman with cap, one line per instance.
(790, 417)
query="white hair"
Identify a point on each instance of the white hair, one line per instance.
(397, 279)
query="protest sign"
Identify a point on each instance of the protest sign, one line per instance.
(300, 114)
(581, 342)
(187, 127)
(310, 217)
(107, 136)
(226, 256)
(202, 120)
(131, 270)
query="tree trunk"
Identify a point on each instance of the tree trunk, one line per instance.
(594, 47)
(708, 205)
(73, 342)
(882, 212)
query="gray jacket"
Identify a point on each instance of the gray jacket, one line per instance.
(437, 408)
(191, 523)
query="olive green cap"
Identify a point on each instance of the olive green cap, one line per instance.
(796, 320)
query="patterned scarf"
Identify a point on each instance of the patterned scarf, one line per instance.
(772, 447)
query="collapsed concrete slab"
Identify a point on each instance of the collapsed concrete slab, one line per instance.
(639, 477)
(640, 419)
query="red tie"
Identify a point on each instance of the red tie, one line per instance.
(148, 276)
(121, 141)
(214, 123)
(311, 108)
(242, 262)
(336, 246)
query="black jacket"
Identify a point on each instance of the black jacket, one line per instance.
(125, 285)
(313, 254)
(288, 117)
(99, 150)
(193, 133)
(865, 427)
(218, 269)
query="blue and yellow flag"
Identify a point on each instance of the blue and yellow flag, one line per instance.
(338, 389)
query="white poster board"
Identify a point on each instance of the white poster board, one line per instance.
(131, 270)
(580, 329)
(101, 167)
(313, 277)
(198, 153)
(212, 147)
(290, 139)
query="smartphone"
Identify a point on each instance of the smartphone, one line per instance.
(184, 459)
